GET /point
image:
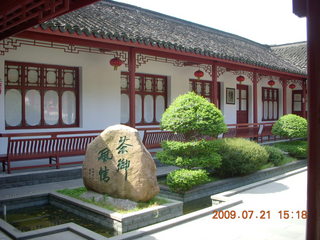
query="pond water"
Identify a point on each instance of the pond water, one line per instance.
(32, 218)
(197, 204)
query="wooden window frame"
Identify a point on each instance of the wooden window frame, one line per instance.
(42, 86)
(193, 83)
(268, 100)
(142, 92)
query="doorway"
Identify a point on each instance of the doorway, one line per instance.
(242, 103)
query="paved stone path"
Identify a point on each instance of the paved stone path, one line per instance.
(285, 194)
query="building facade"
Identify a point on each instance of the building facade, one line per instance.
(59, 75)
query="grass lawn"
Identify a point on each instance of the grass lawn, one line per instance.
(297, 149)
(77, 192)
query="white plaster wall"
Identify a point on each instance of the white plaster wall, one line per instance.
(99, 85)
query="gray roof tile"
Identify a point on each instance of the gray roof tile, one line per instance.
(294, 53)
(115, 20)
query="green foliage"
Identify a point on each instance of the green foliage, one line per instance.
(239, 156)
(182, 180)
(296, 149)
(190, 154)
(276, 156)
(77, 192)
(291, 126)
(194, 116)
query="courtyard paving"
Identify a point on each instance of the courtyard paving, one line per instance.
(287, 194)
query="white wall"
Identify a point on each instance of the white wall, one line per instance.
(100, 101)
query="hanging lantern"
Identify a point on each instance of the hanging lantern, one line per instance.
(292, 86)
(240, 79)
(271, 83)
(115, 62)
(198, 74)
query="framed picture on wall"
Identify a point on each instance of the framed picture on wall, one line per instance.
(230, 96)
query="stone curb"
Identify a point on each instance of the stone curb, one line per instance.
(225, 197)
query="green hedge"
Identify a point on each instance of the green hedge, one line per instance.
(296, 149)
(240, 156)
(182, 180)
(276, 156)
(291, 126)
(194, 116)
(201, 154)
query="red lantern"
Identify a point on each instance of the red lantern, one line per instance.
(198, 74)
(292, 86)
(115, 62)
(240, 79)
(271, 83)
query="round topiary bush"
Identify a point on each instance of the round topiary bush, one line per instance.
(182, 180)
(275, 155)
(291, 126)
(240, 156)
(193, 116)
(189, 155)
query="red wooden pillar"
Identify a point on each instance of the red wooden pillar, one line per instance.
(284, 96)
(255, 97)
(313, 202)
(132, 95)
(304, 98)
(215, 84)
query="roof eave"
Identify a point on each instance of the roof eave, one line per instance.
(166, 49)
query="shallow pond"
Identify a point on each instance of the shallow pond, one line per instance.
(32, 218)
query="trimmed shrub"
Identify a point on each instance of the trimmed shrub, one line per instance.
(276, 156)
(189, 155)
(291, 126)
(240, 156)
(182, 180)
(296, 149)
(193, 116)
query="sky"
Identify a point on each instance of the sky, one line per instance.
(264, 21)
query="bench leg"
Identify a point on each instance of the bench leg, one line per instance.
(3, 165)
(8, 166)
(57, 162)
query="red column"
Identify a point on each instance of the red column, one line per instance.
(313, 202)
(284, 96)
(132, 72)
(304, 99)
(255, 97)
(215, 84)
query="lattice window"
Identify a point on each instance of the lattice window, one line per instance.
(270, 103)
(204, 89)
(41, 96)
(150, 98)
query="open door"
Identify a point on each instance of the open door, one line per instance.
(242, 103)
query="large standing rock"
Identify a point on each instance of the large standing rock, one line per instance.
(118, 164)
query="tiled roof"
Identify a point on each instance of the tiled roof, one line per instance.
(113, 20)
(295, 53)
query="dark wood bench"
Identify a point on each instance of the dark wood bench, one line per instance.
(244, 130)
(253, 131)
(266, 132)
(45, 145)
(152, 137)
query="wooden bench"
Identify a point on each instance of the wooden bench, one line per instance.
(244, 130)
(42, 145)
(266, 132)
(152, 137)
(253, 131)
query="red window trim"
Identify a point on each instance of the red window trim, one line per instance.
(275, 90)
(193, 82)
(42, 88)
(143, 93)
